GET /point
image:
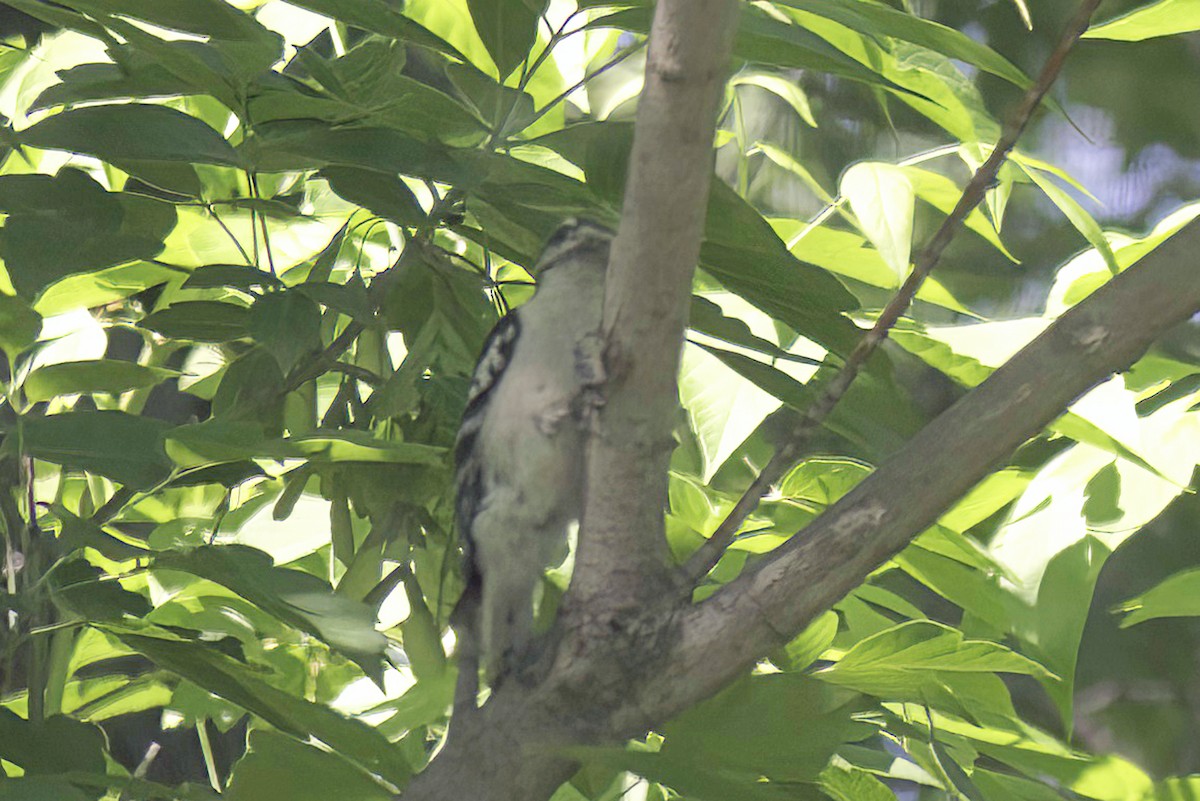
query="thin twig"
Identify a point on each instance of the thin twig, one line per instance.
(233, 237)
(262, 220)
(701, 562)
(570, 90)
(324, 361)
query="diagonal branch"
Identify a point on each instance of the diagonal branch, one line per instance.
(768, 604)
(706, 558)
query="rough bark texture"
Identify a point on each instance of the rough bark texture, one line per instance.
(622, 558)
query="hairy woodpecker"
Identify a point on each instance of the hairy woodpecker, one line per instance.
(519, 453)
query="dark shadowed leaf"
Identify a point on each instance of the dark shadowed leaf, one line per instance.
(288, 325)
(101, 375)
(64, 224)
(748, 258)
(783, 726)
(349, 298)
(384, 194)
(19, 325)
(80, 532)
(214, 18)
(116, 445)
(200, 321)
(296, 598)
(249, 391)
(42, 788)
(238, 276)
(278, 767)
(508, 29)
(306, 144)
(86, 592)
(235, 682)
(380, 16)
(56, 746)
(137, 77)
(134, 131)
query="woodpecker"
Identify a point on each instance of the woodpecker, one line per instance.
(520, 448)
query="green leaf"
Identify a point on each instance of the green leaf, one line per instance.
(56, 746)
(132, 131)
(79, 532)
(1164, 18)
(743, 253)
(227, 678)
(940, 192)
(922, 645)
(250, 391)
(350, 298)
(64, 224)
(812, 642)
(110, 376)
(99, 288)
(202, 17)
(1176, 596)
(784, 726)
(423, 703)
(84, 591)
(508, 29)
(380, 16)
(276, 767)
(385, 195)
(1180, 788)
(722, 413)
(218, 441)
(116, 445)
(765, 39)
(42, 788)
(200, 321)
(19, 325)
(1084, 223)
(927, 663)
(138, 76)
(880, 20)
(237, 276)
(298, 599)
(789, 91)
(850, 784)
(312, 145)
(359, 446)
(288, 325)
(883, 198)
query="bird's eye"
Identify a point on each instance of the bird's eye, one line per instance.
(559, 236)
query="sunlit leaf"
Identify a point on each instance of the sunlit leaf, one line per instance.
(1164, 18)
(882, 198)
(1177, 596)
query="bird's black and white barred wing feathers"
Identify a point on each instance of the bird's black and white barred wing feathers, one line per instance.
(496, 355)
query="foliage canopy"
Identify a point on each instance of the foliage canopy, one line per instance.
(251, 250)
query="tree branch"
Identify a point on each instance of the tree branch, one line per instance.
(706, 558)
(769, 604)
(622, 558)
